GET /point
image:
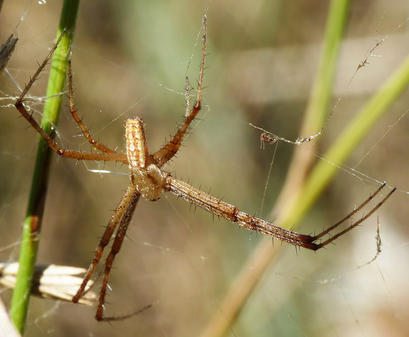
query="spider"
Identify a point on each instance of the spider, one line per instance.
(148, 180)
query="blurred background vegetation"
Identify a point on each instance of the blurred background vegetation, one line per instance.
(130, 59)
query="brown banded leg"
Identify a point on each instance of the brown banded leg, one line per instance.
(38, 71)
(117, 217)
(169, 150)
(121, 157)
(19, 104)
(116, 246)
(356, 223)
(78, 120)
(351, 214)
(233, 214)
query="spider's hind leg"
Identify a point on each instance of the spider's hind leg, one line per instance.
(116, 246)
(170, 149)
(115, 221)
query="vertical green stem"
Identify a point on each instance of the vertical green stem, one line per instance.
(317, 109)
(32, 224)
(314, 120)
(348, 140)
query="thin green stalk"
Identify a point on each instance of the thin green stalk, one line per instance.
(317, 109)
(314, 120)
(347, 142)
(307, 193)
(32, 224)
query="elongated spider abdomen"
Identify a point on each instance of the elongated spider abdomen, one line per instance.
(136, 147)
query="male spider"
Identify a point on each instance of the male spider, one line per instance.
(147, 179)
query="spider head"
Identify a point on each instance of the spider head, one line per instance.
(149, 182)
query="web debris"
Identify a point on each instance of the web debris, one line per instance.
(378, 245)
(271, 138)
(370, 53)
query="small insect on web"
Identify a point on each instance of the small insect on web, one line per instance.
(267, 137)
(147, 179)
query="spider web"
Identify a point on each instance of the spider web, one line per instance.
(178, 258)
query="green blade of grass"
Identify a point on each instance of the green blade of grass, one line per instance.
(317, 108)
(314, 120)
(307, 194)
(347, 142)
(316, 112)
(32, 224)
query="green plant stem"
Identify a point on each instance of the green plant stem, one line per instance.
(32, 224)
(303, 159)
(315, 183)
(347, 142)
(317, 109)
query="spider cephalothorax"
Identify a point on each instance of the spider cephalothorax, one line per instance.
(145, 175)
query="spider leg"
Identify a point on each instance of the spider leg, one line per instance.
(355, 224)
(117, 217)
(121, 157)
(107, 156)
(19, 102)
(169, 150)
(38, 71)
(233, 214)
(116, 246)
(348, 216)
(78, 120)
(229, 212)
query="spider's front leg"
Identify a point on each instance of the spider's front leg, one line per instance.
(107, 155)
(167, 152)
(86, 133)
